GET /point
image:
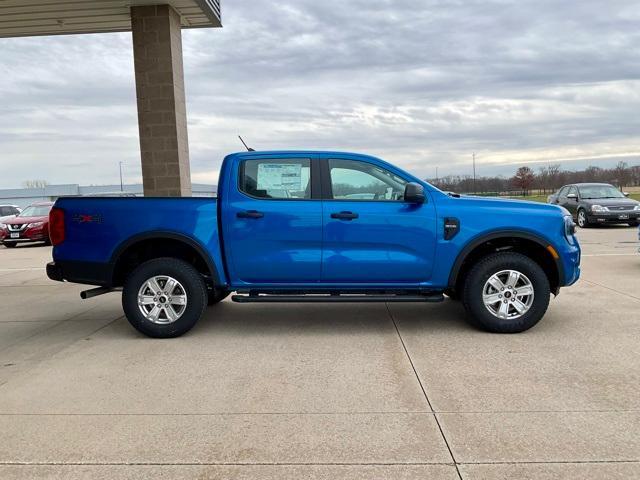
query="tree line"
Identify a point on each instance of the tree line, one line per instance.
(545, 179)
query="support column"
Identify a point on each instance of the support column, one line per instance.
(162, 116)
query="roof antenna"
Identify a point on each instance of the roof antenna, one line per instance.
(249, 149)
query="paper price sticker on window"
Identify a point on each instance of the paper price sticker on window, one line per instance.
(279, 176)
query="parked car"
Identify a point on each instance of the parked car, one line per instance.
(31, 225)
(8, 211)
(317, 243)
(592, 203)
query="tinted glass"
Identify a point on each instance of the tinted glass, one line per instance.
(277, 179)
(36, 211)
(563, 191)
(600, 191)
(353, 180)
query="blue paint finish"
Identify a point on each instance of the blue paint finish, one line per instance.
(296, 244)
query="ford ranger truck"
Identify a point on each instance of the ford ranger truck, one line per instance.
(308, 226)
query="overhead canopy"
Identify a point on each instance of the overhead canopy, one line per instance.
(21, 18)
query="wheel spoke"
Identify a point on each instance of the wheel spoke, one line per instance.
(503, 311)
(179, 300)
(172, 315)
(153, 285)
(170, 286)
(496, 283)
(154, 314)
(513, 278)
(524, 290)
(146, 300)
(519, 306)
(491, 298)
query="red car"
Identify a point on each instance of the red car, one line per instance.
(32, 225)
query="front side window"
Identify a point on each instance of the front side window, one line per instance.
(284, 179)
(563, 192)
(353, 180)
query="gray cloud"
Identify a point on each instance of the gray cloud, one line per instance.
(421, 83)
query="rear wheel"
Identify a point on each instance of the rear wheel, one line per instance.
(634, 224)
(10, 244)
(164, 297)
(506, 292)
(583, 221)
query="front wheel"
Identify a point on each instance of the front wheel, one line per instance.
(634, 224)
(583, 221)
(10, 244)
(164, 297)
(506, 292)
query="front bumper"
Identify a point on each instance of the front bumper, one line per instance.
(614, 217)
(30, 235)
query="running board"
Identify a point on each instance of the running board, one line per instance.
(432, 297)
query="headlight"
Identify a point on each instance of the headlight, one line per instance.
(36, 224)
(637, 207)
(569, 227)
(599, 208)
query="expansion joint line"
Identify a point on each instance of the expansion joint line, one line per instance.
(424, 392)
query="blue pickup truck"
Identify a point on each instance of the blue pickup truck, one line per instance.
(309, 226)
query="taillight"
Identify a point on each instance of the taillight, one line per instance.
(56, 226)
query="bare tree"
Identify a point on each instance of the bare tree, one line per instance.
(524, 179)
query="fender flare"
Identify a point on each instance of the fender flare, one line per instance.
(469, 247)
(164, 235)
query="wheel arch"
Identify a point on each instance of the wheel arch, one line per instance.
(156, 244)
(534, 246)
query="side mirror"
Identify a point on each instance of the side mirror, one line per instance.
(626, 194)
(414, 193)
(572, 196)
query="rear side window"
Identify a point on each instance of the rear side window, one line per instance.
(282, 179)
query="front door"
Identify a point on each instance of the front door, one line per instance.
(272, 221)
(371, 236)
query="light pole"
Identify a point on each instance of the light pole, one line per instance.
(474, 172)
(121, 185)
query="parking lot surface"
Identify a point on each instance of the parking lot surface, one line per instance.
(322, 391)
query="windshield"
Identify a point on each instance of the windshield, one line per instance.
(600, 191)
(36, 211)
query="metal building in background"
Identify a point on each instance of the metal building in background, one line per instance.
(157, 53)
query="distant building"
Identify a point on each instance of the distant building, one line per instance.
(23, 197)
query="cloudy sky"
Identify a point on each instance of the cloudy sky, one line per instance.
(422, 83)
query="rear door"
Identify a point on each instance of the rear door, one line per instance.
(272, 220)
(371, 236)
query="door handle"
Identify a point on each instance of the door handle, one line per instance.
(250, 214)
(344, 215)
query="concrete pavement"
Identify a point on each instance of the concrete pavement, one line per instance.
(322, 391)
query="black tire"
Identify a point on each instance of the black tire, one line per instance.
(472, 295)
(634, 224)
(10, 244)
(217, 295)
(582, 219)
(194, 289)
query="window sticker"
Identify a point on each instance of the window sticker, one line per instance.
(280, 176)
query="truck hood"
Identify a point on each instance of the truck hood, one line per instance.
(512, 203)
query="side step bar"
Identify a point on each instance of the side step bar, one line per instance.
(343, 298)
